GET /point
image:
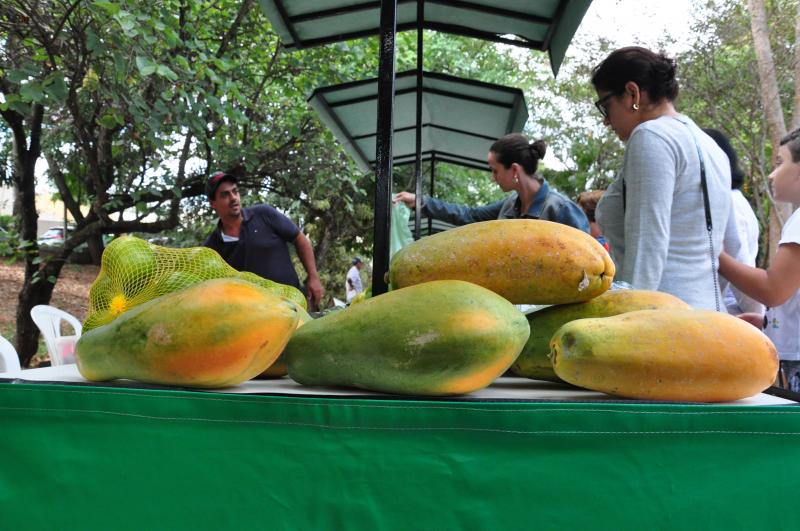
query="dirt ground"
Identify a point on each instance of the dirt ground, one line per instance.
(71, 293)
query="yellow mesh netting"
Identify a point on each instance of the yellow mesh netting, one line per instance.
(134, 271)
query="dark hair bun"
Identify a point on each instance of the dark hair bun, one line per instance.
(654, 73)
(664, 76)
(539, 148)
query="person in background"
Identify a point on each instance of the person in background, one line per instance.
(353, 284)
(741, 233)
(513, 161)
(255, 239)
(653, 215)
(588, 202)
(778, 286)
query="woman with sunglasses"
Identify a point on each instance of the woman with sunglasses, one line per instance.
(665, 214)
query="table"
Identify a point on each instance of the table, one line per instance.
(519, 455)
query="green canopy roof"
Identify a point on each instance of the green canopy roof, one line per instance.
(546, 25)
(460, 117)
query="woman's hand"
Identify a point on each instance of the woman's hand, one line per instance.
(407, 198)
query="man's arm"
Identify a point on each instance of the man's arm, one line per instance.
(306, 254)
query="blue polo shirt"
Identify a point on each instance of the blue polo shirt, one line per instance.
(262, 246)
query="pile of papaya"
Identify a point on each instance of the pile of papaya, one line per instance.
(448, 326)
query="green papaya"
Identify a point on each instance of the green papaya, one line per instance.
(445, 337)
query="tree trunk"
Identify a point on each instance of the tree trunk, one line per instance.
(35, 290)
(770, 97)
(796, 112)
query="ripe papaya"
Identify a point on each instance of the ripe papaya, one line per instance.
(445, 337)
(668, 354)
(213, 334)
(526, 261)
(134, 271)
(534, 361)
(279, 369)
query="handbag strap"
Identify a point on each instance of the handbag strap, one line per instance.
(706, 207)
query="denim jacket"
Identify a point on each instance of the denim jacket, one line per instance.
(548, 205)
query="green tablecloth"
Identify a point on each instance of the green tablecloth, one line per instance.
(77, 457)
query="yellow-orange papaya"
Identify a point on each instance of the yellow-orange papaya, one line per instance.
(526, 261)
(534, 360)
(215, 333)
(676, 355)
(279, 369)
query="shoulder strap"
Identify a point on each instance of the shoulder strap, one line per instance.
(706, 207)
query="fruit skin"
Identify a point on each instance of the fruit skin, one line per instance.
(526, 261)
(134, 271)
(445, 337)
(680, 355)
(279, 368)
(534, 361)
(216, 333)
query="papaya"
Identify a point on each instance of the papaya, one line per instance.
(666, 354)
(534, 361)
(216, 333)
(445, 337)
(134, 271)
(279, 369)
(524, 260)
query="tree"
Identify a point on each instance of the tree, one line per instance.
(109, 92)
(771, 100)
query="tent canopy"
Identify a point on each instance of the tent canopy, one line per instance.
(546, 25)
(461, 118)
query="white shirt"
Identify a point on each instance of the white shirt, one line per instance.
(783, 322)
(355, 278)
(741, 242)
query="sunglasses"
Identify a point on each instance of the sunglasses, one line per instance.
(602, 104)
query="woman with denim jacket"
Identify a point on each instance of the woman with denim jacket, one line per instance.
(513, 161)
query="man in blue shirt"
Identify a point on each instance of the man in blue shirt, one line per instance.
(255, 239)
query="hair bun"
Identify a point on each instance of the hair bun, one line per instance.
(539, 148)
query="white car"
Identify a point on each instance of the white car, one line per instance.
(53, 236)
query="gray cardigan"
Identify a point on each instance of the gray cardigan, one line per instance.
(658, 238)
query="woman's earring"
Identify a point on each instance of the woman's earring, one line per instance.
(635, 106)
(516, 179)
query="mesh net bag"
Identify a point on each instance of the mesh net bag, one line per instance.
(134, 271)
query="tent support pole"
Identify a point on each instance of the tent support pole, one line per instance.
(383, 147)
(433, 173)
(418, 160)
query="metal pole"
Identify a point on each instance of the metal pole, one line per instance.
(418, 162)
(433, 171)
(383, 146)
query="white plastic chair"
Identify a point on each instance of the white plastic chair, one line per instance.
(9, 360)
(61, 348)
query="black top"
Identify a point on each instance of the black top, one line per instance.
(261, 248)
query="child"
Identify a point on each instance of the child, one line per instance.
(588, 202)
(778, 286)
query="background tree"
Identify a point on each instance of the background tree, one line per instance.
(771, 101)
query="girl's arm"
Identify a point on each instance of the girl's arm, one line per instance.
(772, 286)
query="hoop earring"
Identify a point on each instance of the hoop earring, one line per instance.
(635, 106)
